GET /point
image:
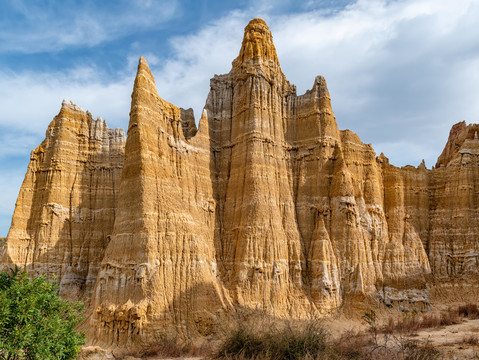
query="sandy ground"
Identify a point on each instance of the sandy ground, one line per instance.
(186, 358)
(452, 341)
(460, 341)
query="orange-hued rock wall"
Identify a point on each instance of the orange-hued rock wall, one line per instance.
(159, 272)
(266, 206)
(66, 208)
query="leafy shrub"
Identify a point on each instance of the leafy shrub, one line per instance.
(34, 322)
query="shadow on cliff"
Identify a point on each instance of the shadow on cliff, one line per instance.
(68, 235)
(189, 320)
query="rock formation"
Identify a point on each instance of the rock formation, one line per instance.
(159, 272)
(454, 213)
(65, 211)
(265, 206)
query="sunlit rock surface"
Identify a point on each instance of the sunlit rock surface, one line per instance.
(266, 205)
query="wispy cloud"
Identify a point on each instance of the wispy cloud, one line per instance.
(399, 72)
(30, 100)
(9, 188)
(31, 26)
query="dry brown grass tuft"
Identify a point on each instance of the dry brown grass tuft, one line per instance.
(352, 345)
(470, 340)
(411, 323)
(311, 342)
(168, 348)
(469, 310)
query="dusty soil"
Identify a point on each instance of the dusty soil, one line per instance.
(460, 341)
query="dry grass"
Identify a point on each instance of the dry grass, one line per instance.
(470, 340)
(411, 323)
(286, 341)
(311, 342)
(352, 345)
(169, 348)
(470, 311)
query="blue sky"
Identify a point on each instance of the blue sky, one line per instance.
(400, 73)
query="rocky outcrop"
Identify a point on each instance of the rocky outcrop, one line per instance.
(188, 123)
(266, 206)
(302, 216)
(65, 211)
(454, 213)
(159, 272)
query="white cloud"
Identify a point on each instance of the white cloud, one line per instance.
(399, 72)
(9, 188)
(30, 100)
(39, 27)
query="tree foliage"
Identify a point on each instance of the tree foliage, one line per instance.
(34, 322)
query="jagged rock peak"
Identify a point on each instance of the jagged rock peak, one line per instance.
(458, 135)
(75, 172)
(71, 105)
(422, 165)
(258, 54)
(321, 85)
(145, 73)
(73, 115)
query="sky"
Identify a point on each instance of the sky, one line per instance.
(400, 73)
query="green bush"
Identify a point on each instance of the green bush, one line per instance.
(34, 322)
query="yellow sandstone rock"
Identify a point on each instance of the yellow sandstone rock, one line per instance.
(65, 211)
(265, 206)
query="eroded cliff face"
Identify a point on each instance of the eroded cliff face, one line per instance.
(265, 206)
(454, 215)
(65, 211)
(302, 218)
(159, 272)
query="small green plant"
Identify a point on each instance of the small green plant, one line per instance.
(34, 322)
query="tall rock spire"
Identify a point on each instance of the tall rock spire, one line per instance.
(159, 270)
(258, 54)
(260, 245)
